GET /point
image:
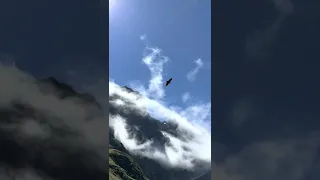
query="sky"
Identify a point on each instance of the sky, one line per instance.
(181, 30)
(54, 39)
(149, 43)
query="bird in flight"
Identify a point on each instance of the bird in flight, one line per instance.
(168, 82)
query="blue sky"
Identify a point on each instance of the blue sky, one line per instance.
(181, 30)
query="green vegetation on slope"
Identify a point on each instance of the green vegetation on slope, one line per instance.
(122, 166)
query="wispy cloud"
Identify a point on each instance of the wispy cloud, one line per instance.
(143, 37)
(185, 97)
(155, 62)
(154, 59)
(191, 76)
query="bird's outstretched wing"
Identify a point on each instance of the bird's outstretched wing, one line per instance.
(168, 82)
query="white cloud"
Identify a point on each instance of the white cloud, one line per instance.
(185, 97)
(120, 132)
(198, 113)
(191, 76)
(154, 59)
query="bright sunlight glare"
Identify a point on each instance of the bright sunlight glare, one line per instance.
(111, 3)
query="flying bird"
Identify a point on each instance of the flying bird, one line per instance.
(168, 82)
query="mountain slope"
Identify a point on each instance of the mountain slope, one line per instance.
(45, 129)
(121, 164)
(145, 128)
(45, 133)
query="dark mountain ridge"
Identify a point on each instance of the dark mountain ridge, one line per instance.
(62, 90)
